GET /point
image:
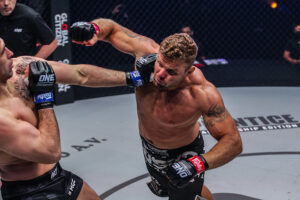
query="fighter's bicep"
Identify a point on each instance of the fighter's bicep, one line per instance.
(218, 121)
(132, 43)
(17, 136)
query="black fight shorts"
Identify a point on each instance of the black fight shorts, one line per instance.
(57, 184)
(158, 160)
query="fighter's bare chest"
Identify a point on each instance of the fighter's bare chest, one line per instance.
(170, 108)
(18, 86)
(16, 107)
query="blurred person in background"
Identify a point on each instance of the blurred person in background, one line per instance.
(24, 31)
(119, 12)
(292, 49)
(201, 50)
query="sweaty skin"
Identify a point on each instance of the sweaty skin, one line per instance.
(19, 105)
(169, 109)
(168, 118)
(29, 139)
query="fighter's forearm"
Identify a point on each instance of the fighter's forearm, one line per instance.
(291, 60)
(287, 57)
(106, 27)
(87, 75)
(124, 39)
(50, 139)
(92, 76)
(227, 148)
(46, 50)
(120, 37)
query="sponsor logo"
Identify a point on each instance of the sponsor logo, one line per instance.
(137, 79)
(263, 123)
(47, 78)
(198, 164)
(61, 29)
(46, 97)
(18, 30)
(72, 186)
(181, 170)
(142, 60)
(63, 88)
(218, 61)
(136, 74)
(67, 61)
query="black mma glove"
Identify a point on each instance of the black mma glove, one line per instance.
(41, 84)
(83, 31)
(182, 172)
(144, 73)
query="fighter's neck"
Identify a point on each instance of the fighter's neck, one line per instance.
(4, 91)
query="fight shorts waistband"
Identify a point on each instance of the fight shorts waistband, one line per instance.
(43, 178)
(15, 188)
(198, 141)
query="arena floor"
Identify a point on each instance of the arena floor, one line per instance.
(101, 144)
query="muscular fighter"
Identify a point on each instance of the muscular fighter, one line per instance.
(29, 136)
(169, 105)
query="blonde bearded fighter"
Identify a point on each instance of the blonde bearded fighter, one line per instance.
(169, 105)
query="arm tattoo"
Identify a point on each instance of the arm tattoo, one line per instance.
(134, 35)
(217, 113)
(19, 84)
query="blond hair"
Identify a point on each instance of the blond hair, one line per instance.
(179, 46)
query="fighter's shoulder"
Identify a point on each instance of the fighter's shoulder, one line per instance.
(197, 79)
(205, 91)
(212, 92)
(25, 60)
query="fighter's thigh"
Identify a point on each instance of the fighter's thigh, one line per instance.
(205, 193)
(87, 193)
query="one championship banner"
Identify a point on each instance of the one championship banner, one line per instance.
(60, 16)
